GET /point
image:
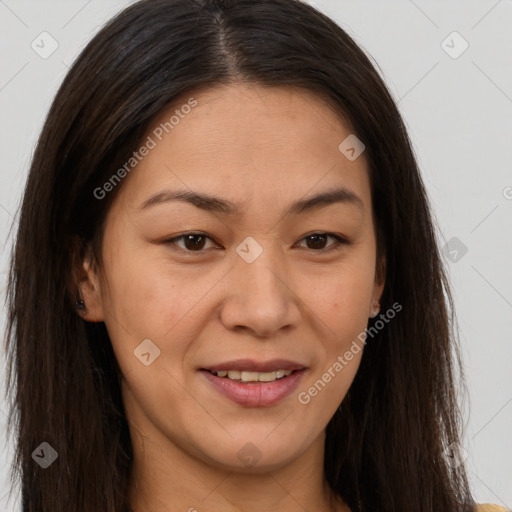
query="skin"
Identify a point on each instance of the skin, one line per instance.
(263, 149)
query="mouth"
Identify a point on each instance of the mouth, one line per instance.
(254, 384)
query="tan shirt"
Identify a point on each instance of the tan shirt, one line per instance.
(488, 507)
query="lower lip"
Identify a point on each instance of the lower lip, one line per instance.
(255, 394)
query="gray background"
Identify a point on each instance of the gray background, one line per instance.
(459, 115)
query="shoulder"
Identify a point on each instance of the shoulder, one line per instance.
(488, 507)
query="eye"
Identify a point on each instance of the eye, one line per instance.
(193, 242)
(318, 240)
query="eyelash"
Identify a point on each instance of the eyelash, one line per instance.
(340, 241)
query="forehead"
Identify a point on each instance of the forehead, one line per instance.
(246, 141)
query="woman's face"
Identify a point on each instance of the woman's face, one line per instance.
(255, 292)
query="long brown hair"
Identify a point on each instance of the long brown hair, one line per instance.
(385, 446)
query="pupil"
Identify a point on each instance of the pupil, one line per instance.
(316, 238)
(190, 245)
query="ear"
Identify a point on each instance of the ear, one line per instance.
(87, 284)
(378, 287)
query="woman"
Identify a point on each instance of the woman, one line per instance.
(226, 292)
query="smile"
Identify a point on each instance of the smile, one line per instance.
(254, 389)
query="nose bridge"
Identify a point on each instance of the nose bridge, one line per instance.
(261, 277)
(261, 297)
(260, 270)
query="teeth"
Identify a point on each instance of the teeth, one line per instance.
(253, 376)
(247, 376)
(268, 376)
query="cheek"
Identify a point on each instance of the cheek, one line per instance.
(149, 295)
(342, 303)
(343, 308)
(340, 298)
(152, 299)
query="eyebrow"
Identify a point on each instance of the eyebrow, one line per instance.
(218, 205)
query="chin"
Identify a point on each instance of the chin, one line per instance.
(254, 454)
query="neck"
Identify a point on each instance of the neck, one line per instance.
(166, 478)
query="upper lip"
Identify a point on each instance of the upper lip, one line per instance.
(250, 365)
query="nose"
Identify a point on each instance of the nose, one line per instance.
(260, 297)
